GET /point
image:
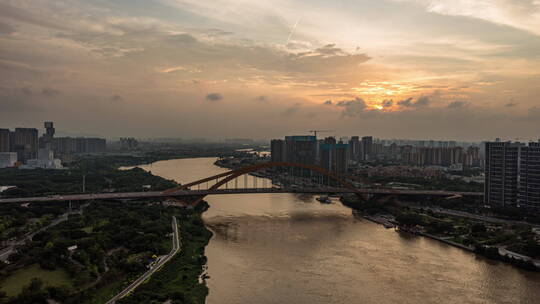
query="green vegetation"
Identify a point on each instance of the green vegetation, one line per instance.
(115, 241)
(178, 280)
(481, 236)
(17, 220)
(431, 183)
(101, 175)
(13, 285)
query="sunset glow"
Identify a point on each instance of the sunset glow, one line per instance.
(287, 61)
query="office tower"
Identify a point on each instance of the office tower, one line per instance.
(277, 150)
(4, 140)
(501, 173)
(529, 177)
(25, 143)
(301, 149)
(367, 145)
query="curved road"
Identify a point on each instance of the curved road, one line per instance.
(151, 271)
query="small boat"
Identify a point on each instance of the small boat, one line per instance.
(324, 199)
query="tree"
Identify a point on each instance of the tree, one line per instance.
(478, 228)
(409, 219)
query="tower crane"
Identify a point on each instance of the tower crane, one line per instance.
(319, 131)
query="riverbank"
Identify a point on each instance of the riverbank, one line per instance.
(469, 234)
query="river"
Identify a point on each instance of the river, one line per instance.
(285, 248)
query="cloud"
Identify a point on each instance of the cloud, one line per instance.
(387, 103)
(17, 101)
(406, 102)
(292, 110)
(422, 101)
(328, 103)
(352, 108)
(521, 14)
(214, 97)
(183, 38)
(50, 92)
(329, 50)
(6, 29)
(456, 104)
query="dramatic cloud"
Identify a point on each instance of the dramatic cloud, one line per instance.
(214, 97)
(71, 60)
(352, 108)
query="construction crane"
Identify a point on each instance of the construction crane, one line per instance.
(320, 131)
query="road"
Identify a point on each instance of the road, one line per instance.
(6, 252)
(474, 216)
(180, 193)
(175, 248)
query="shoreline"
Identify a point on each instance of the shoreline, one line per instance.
(514, 259)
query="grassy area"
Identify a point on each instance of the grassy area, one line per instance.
(14, 283)
(88, 229)
(102, 295)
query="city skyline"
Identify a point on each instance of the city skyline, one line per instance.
(163, 68)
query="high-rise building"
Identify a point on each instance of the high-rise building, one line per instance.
(277, 149)
(501, 173)
(90, 145)
(529, 177)
(472, 157)
(301, 149)
(46, 140)
(8, 159)
(334, 156)
(4, 140)
(24, 141)
(355, 148)
(367, 145)
(130, 143)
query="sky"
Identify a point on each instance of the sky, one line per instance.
(439, 69)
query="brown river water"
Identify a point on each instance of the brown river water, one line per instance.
(287, 248)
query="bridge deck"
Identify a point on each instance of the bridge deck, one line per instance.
(180, 193)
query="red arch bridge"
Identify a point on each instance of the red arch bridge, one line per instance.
(269, 177)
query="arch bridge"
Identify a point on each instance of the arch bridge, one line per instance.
(268, 177)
